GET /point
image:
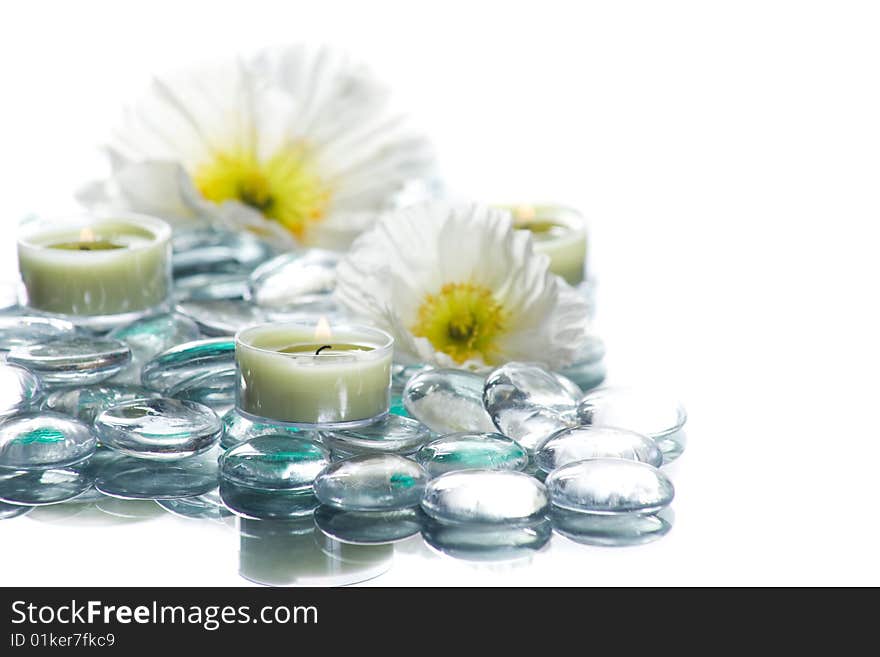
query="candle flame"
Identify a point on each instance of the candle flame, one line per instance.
(87, 235)
(524, 213)
(322, 330)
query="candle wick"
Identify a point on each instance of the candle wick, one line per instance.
(320, 349)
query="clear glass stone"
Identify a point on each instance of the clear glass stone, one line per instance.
(40, 487)
(216, 390)
(74, 360)
(215, 285)
(611, 530)
(294, 278)
(369, 527)
(610, 486)
(19, 390)
(238, 429)
(255, 503)
(648, 412)
(394, 434)
(401, 374)
(9, 511)
(531, 426)
(371, 483)
(275, 462)
(21, 330)
(147, 338)
(488, 542)
(215, 250)
(42, 441)
(485, 496)
(178, 364)
(590, 442)
(128, 477)
(468, 451)
(87, 402)
(160, 428)
(447, 401)
(588, 368)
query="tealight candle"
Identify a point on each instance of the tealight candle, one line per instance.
(96, 268)
(559, 232)
(305, 375)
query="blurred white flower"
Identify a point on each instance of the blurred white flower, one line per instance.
(294, 143)
(459, 287)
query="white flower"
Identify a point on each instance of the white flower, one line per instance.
(459, 287)
(296, 143)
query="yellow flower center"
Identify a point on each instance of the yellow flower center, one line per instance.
(463, 320)
(284, 187)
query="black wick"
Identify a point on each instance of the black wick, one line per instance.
(320, 349)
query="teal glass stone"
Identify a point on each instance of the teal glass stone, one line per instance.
(489, 543)
(447, 401)
(649, 412)
(238, 429)
(22, 330)
(44, 487)
(163, 428)
(9, 511)
(468, 451)
(149, 337)
(216, 250)
(41, 441)
(74, 360)
(485, 496)
(185, 361)
(611, 530)
(294, 278)
(255, 503)
(275, 462)
(381, 482)
(369, 527)
(131, 478)
(87, 402)
(610, 486)
(589, 442)
(588, 369)
(19, 390)
(393, 434)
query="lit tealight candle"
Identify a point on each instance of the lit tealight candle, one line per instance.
(308, 375)
(559, 232)
(93, 267)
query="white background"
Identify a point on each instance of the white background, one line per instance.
(728, 156)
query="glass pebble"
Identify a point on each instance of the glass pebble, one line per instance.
(19, 390)
(369, 527)
(401, 374)
(447, 401)
(74, 360)
(293, 278)
(275, 462)
(147, 338)
(21, 330)
(219, 317)
(570, 445)
(174, 366)
(40, 441)
(485, 496)
(215, 250)
(611, 530)
(466, 451)
(254, 503)
(87, 402)
(132, 478)
(41, 487)
(651, 413)
(8, 511)
(530, 426)
(371, 483)
(160, 428)
(238, 429)
(610, 486)
(215, 285)
(394, 434)
(488, 542)
(588, 368)
(216, 390)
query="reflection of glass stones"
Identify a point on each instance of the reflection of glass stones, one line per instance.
(588, 368)
(465, 451)
(38, 441)
(488, 542)
(133, 478)
(393, 434)
(447, 401)
(610, 486)
(294, 278)
(269, 504)
(208, 506)
(369, 527)
(74, 360)
(147, 338)
(591, 442)
(87, 402)
(8, 511)
(485, 496)
(611, 530)
(178, 364)
(274, 462)
(371, 483)
(19, 389)
(19, 330)
(238, 429)
(39, 487)
(159, 428)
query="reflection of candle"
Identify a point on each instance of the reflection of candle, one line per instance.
(559, 232)
(96, 266)
(301, 374)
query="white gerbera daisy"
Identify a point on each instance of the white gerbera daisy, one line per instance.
(298, 143)
(459, 287)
